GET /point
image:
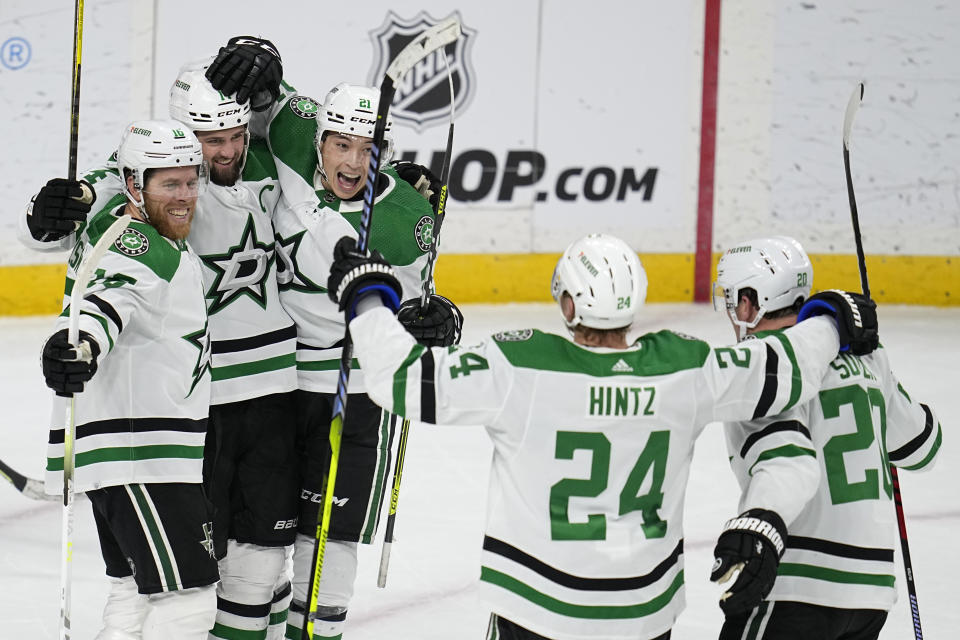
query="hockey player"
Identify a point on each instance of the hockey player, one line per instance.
(820, 472)
(142, 364)
(592, 438)
(251, 464)
(322, 153)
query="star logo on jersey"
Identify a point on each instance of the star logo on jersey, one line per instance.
(289, 275)
(516, 335)
(423, 233)
(241, 271)
(422, 99)
(622, 367)
(304, 107)
(132, 243)
(201, 340)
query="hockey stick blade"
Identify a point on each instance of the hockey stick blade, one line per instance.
(852, 105)
(29, 487)
(440, 34)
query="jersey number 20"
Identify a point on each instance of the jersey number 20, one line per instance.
(653, 459)
(862, 402)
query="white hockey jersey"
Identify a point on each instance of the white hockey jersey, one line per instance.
(309, 223)
(592, 450)
(254, 339)
(142, 418)
(841, 540)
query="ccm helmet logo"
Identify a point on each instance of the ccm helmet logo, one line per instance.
(362, 120)
(227, 113)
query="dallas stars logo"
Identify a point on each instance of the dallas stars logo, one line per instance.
(132, 243)
(201, 340)
(289, 275)
(304, 107)
(241, 271)
(423, 233)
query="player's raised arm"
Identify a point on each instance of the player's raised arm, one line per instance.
(771, 375)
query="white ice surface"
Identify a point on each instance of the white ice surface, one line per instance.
(431, 590)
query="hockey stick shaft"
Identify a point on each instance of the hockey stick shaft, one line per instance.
(441, 208)
(81, 279)
(424, 44)
(66, 537)
(75, 90)
(439, 213)
(852, 105)
(29, 487)
(394, 499)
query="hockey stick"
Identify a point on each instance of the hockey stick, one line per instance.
(81, 279)
(852, 105)
(441, 208)
(66, 534)
(75, 90)
(424, 44)
(439, 213)
(851, 111)
(29, 487)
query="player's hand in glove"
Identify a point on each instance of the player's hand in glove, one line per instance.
(750, 546)
(438, 325)
(353, 275)
(59, 208)
(67, 368)
(420, 178)
(856, 317)
(249, 67)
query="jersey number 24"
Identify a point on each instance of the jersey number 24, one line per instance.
(652, 460)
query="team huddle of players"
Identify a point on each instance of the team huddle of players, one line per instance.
(210, 337)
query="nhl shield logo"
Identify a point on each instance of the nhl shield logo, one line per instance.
(422, 98)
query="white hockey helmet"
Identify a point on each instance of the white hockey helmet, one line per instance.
(604, 277)
(156, 144)
(777, 268)
(194, 101)
(351, 109)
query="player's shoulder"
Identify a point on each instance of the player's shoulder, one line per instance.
(403, 199)
(298, 111)
(668, 351)
(531, 348)
(652, 354)
(140, 243)
(107, 172)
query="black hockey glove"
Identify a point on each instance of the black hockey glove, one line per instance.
(354, 274)
(420, 178)
(59, 208)
(438, 325)
(856, 317)
(66, 368)
(752, 543)
(251, 68)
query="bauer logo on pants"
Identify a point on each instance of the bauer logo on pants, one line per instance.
(132, 243)
(422, 98)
